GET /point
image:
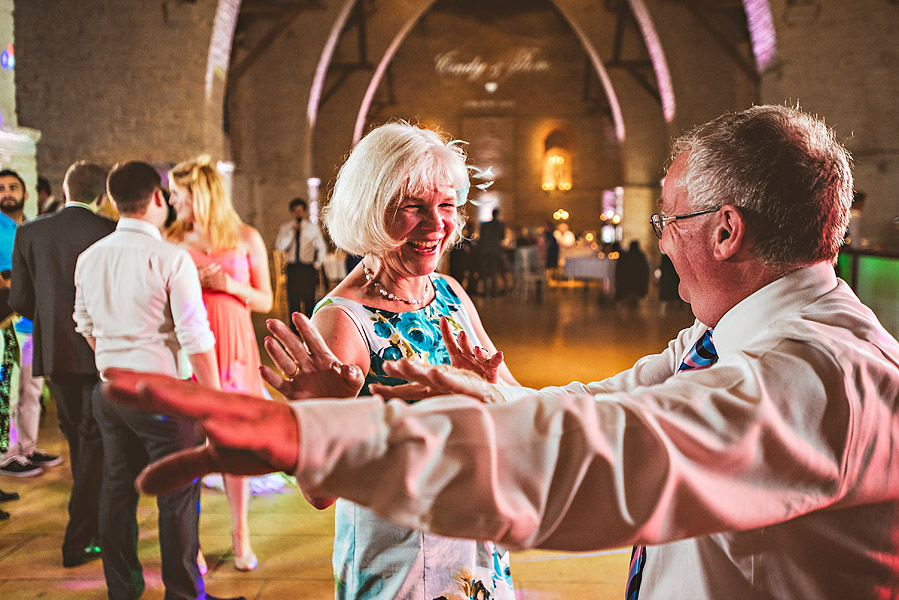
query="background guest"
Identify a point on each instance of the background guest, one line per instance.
(233, 265)
(23, 458)
(43, 288)
(138, 305)
(46, 202)
(301, 241)
(631, 275)
(490, 253)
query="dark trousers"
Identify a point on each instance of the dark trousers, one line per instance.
(131, 438)
(490, 266)
(302, 280)
(72, 393)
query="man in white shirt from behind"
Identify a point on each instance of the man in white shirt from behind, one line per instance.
(138, 303)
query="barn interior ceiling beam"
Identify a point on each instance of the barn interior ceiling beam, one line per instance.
(356, 25)
(594, 94)
(725, 21)
(640, 68)
(285, 12)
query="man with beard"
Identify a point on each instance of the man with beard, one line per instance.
(23, 458)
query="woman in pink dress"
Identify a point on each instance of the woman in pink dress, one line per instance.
(233, 264)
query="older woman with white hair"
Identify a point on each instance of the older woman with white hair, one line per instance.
(396, 203)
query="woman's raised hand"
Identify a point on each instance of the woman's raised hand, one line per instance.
(464, 356)
(308, 368)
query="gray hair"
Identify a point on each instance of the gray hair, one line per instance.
(393, 161)
(784, 170)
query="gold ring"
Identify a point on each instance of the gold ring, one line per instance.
(295, 373)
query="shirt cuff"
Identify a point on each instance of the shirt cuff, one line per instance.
(196, 344)
(332, 431)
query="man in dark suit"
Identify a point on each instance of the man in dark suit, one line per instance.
(490, 250)
(43, 289)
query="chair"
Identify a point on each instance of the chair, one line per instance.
(279, 285)
(529, 273)
(334, 268)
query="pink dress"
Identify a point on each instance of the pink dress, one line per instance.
(236, 348)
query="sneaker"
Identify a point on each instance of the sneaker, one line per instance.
(42, 459)
(20, 467)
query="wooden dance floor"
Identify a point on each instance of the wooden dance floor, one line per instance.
(569, 336)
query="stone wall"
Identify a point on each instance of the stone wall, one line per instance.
(114, 80)
(17, 144)
(108, 81)
(840, 60)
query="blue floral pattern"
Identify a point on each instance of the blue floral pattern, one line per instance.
(396, 335)
(373, 558)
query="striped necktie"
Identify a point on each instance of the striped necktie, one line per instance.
(701, 356)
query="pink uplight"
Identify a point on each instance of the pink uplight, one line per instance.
(657, 56)
(324, 61)
(220, 44)
(379, 74)
(603, 75)
(761, 32)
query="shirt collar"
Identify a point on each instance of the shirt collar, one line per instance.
(139, 226)
(754, 314)
(80, 204)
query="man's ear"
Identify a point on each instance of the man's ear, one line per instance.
(100, 200)
(729, 232)
(158, 198)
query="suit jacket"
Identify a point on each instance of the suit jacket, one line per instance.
(43, 285)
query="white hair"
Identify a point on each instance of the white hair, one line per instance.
(393, 161)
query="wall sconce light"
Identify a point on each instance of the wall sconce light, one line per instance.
(556, 170)
(560, 215)
(557, 162)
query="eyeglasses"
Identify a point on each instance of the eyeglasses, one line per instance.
(658, 221)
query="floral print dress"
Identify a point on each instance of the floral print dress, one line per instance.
(373, 558)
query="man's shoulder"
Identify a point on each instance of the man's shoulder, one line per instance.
(64, 217)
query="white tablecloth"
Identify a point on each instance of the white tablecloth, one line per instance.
(589, 267)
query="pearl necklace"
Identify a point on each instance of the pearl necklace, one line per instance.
(370, 277)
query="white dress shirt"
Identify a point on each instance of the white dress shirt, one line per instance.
(139, 297)
(772, 474)
(312, 245)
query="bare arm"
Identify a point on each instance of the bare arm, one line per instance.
(205, 367)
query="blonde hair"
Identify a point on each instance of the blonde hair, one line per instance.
(214, 213)
(393, 161)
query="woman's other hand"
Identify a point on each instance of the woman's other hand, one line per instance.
(308, 367)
